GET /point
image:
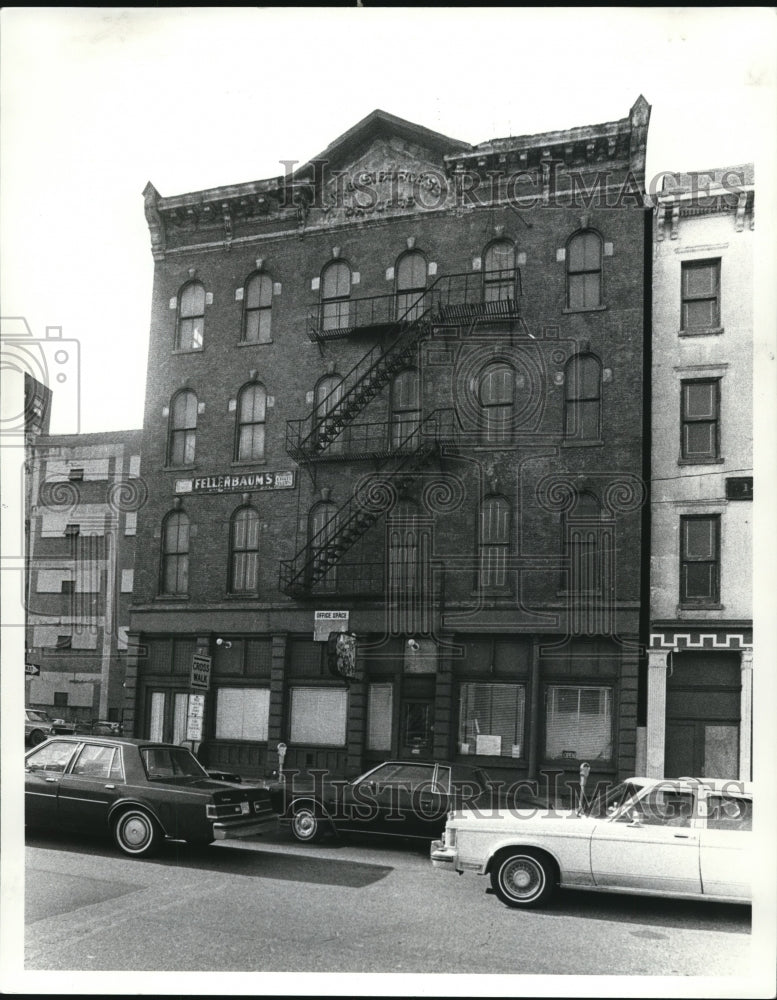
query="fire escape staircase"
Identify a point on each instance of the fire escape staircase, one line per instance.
(453, 300)
(456, 300)
(348, 524)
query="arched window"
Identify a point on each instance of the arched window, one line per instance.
(411, 285)
(183, 428)
(335, 293)
(175, 554)
(583, 398)
(405, 410)
(251, 410)
(257, 309)
(499, 272)
(496, 395)
(191, 317)
(584, 270)
(322, 528)
(244, 551)
(403, 551)
(494, 542)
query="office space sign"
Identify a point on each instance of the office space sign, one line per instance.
(236, 483)
(329, 621)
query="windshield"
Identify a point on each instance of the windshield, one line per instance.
(171, 762)
(611, 800)
(37, 716)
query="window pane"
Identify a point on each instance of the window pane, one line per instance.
(252, 404)
(576, 726)
(500, 261)
(242, 713)
(702, 313)
(700, 538)
(491, 719)
(156, 723)
(259, 292)
(380, 716)
(193, 300)
(699, 581)
(700, 280)
(180, 712)
(337, 281)
(411, 272)
(699, 441)
(319, 715)
(251, 442)
(700, 399)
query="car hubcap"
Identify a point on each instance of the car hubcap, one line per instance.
(522, 878)
(135, 832)
(305, 824)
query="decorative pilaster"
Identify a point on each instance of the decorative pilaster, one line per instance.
(746, 717)
(656, 713)
(131, 671)
(275, 732)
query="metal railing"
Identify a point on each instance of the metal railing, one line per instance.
(350, 522)
(459, 300)
(336, 318)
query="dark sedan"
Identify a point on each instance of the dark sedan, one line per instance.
(403, 798)
(141, 792)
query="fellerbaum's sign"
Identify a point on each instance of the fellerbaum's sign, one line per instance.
(230, 483)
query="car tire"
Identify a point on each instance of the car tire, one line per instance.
(37, 737)
(137, 833)
(523, 878)
(306, 824)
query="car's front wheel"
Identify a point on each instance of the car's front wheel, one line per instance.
(36, 737)
(523, 878)
(305, 824)
(137, 833)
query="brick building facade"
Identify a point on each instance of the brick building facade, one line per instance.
(403, 382)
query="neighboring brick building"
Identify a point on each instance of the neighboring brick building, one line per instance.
(405, 383)
(701, 633)
(85, 494)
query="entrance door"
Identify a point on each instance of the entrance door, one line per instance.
(416, 728)
(166, 712)
(702, 715)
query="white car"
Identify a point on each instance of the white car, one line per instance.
(685, 837)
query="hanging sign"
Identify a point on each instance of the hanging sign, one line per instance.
(325, 622)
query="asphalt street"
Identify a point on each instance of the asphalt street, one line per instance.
(354, 905)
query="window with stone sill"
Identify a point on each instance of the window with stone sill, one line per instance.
(257, 310)
(190, 321)
(183, 429)
(700, 560)
(700, 306)
(700, 420)
(584, 270)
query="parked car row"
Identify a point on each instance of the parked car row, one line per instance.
(687, 837)
(38, 726)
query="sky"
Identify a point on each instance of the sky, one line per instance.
(98, 101)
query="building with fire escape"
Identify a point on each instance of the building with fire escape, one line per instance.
(399, 392)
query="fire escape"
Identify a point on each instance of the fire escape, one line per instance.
(452, 303)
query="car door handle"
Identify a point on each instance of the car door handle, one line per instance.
(52, 780)
(682, 836)
(110, 786)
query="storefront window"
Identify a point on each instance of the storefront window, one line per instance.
(491, 719)
(242, 713)
(319, 715)
(578, 723)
